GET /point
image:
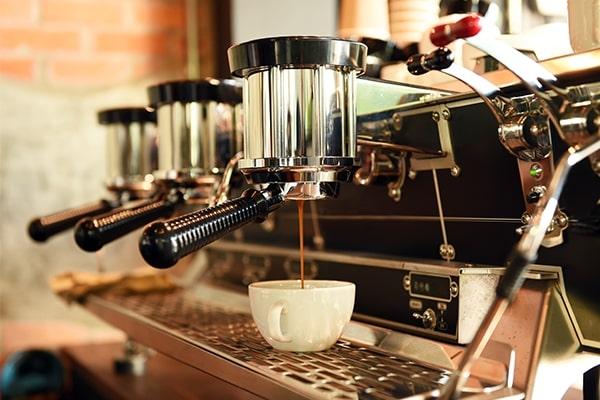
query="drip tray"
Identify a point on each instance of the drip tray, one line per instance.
(212, 338)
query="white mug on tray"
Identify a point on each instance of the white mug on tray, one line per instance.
(294, 319)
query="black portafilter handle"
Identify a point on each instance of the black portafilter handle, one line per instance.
(91, 234)
(42, 228)
(163, 243)
(437, 60)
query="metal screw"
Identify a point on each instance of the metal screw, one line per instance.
(436, 116)
(561, 220)
(455, 171)
(394, 192)
(412, 174)
(397, 121)
(597, 121)
(453, 289)
(534, 130)
(526, 218)
(447, 252)
(446, 114)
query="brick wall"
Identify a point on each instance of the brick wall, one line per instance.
(60, 62)
(83, 43)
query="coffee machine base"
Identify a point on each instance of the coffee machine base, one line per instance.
(207, 325)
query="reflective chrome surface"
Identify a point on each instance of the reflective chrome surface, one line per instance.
(131, 155)
(300, 125)
(296, 52)
(197, 139)
(367, 362)
(300, 110)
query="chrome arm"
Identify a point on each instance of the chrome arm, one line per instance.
(442, 60)
(378, 144)
(471, 29)
(222, 191)
(524, 253)
(535, 77)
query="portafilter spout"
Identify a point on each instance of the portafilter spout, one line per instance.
(299, 137)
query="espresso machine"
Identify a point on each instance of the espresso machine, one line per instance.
(131, 156)
(417, 196)
(198, 125)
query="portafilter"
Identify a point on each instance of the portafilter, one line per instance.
(198, 123)
(299, 137)
(131, 156)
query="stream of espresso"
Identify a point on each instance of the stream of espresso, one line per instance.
(300, 204)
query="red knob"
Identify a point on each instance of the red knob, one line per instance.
(443, 35)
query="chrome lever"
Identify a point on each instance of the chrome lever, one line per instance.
(472, 30)
(221, 192)
(523, 130)
(571, 122)
(523, 135)
(442, 59)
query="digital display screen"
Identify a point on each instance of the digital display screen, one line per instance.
(437, 287)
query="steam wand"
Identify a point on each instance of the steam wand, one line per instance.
(523, 254)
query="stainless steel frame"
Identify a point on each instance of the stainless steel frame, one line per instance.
(195, 327)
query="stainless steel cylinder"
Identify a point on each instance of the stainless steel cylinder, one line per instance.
(300, 110)
(199, 124)
(131, 148)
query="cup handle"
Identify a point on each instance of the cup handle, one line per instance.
(274, 322)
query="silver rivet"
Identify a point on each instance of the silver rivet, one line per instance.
(436, 116)
(394, 192)
(412, 174)
(562, 220)
(455, 171)
(453, 289)
(397, 121)
(446, 114)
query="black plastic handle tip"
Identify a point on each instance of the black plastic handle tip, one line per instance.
(87, 236)
(437, 60)
(43, 228)
(156, 247)
(37, 231)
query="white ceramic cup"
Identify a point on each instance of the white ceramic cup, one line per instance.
(294, 319)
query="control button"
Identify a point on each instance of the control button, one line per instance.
(443, 325)
(442, 306)
(428, 318)
(406, 282)
(453, 289)
(415, 304)
(536, 171)
(535, 194)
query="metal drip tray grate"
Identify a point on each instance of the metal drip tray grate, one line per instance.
(346, 371)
